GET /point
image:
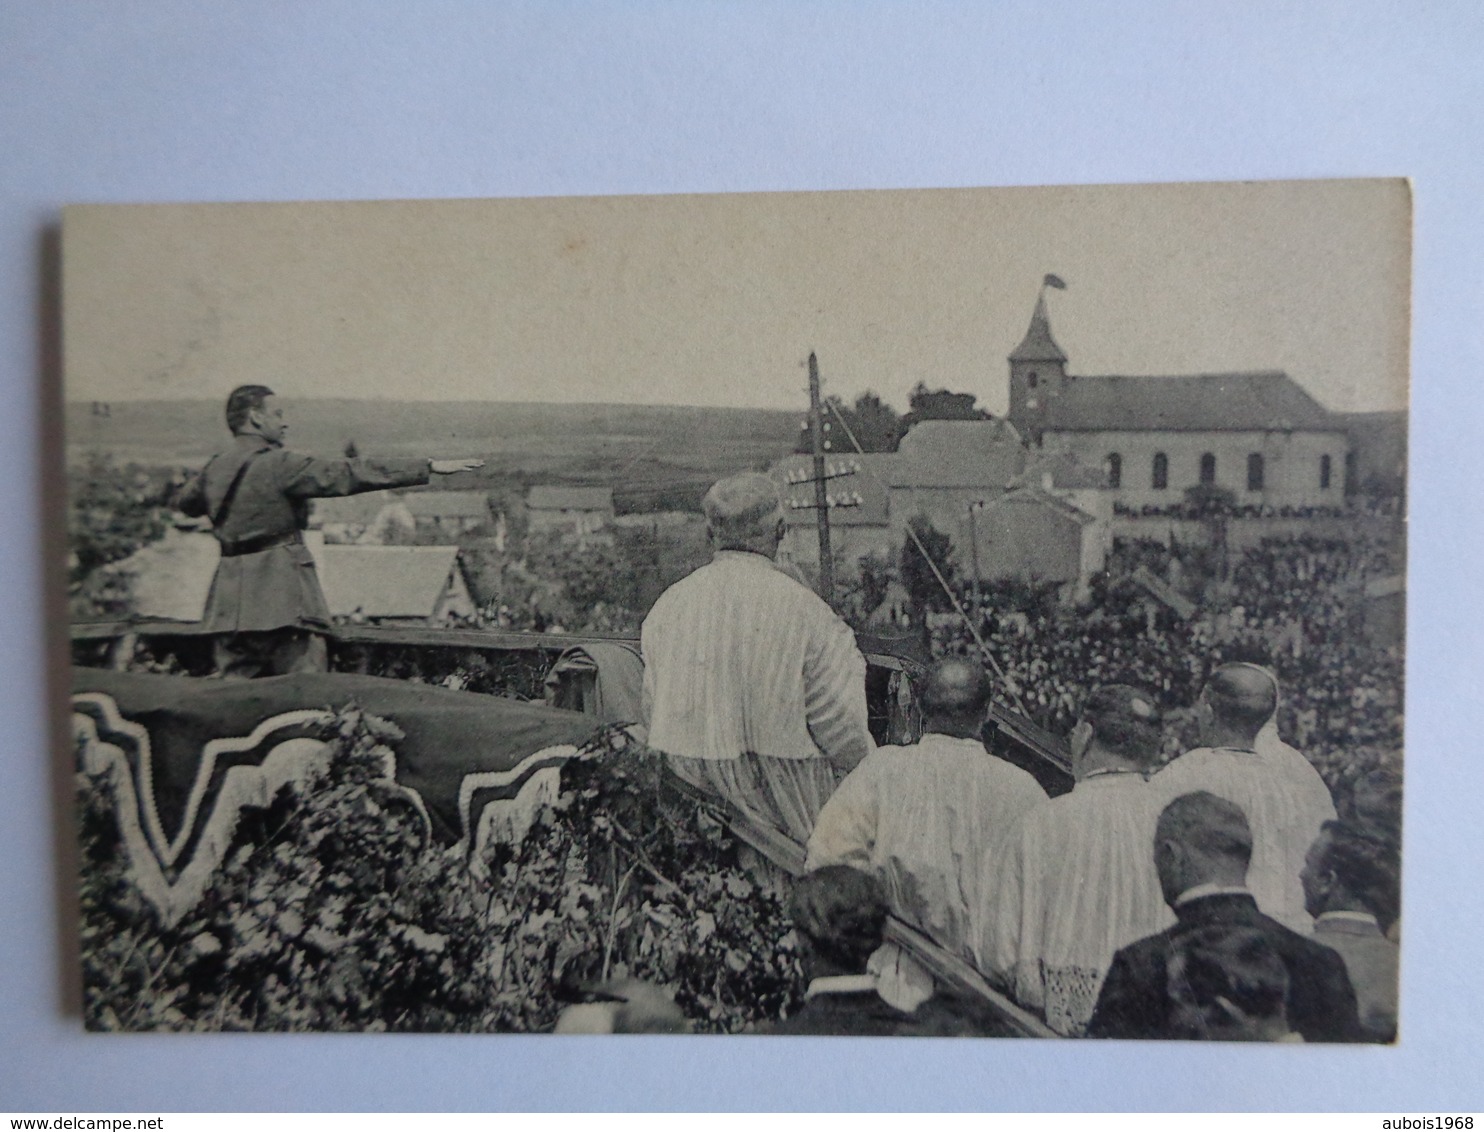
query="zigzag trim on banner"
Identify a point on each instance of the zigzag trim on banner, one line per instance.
(168, 850)
(291, 761)
(297, 760)
(506, 821)
(513, 811)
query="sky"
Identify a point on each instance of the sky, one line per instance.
(717, 300)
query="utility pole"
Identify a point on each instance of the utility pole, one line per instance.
(821, 501)
(974, 509)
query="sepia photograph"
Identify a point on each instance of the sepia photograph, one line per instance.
(940, 612)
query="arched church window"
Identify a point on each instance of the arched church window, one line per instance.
(1032, 380)
(1324, 472)
(1159, 475)
(1254, 471)
(1115, 470)
(1208, 468)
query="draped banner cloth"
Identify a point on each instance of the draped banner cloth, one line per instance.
(189, 754)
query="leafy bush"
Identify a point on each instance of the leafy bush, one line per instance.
(332, 912)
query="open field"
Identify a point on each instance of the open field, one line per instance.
(649, 454)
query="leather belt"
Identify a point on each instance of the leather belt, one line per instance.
(238, 547)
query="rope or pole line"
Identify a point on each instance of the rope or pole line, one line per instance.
(937, 573)
(821, 497)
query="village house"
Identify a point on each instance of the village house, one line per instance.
(393, 585)
(427, 517)
(968, 479)
(582, 511)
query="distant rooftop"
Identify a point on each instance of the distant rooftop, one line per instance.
(984, 453)
(551, 497)
(351, 509)
(1035, 496)
(447, 504)
(1263, 401)
(385, 581)
(1066, 470)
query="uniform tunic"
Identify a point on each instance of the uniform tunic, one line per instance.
(277, 587)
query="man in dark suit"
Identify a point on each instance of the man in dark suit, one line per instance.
(266, 606)
(841, 914)
(1202, 845)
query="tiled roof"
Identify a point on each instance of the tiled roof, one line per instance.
(959, 454)
(447, 504)
(1066, 470)
(172, 577)
(551, 497)
(384, 581)
(1023, 496)
(359, 509)
(1264, 401)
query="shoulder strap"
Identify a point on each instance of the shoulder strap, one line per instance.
(220, 515)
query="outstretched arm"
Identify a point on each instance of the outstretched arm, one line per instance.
(309, 477)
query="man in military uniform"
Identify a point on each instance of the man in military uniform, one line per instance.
(266, 606)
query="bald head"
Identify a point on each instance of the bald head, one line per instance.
(1242, 697)
(955, 698)
(745, 512)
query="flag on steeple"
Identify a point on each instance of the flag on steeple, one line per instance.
(1038, 345)
(1054, 281)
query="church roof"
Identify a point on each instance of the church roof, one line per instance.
(1263, 401)
(1038, 345)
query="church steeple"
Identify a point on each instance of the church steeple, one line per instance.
(1038, 371)
(1038, 345)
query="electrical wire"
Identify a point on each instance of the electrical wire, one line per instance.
(1008, 684)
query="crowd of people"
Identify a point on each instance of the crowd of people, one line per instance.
(1188, 510)
(1296, 606)
(1229, 892)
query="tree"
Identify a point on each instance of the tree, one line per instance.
(587, 572)
(1210, 501)
(940, 405)
(113, 511)
(351, 451)
(875, 424)
(917, 576)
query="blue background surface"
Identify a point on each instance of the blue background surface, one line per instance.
(176, 101)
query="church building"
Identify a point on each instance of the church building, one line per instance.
(1257, 433)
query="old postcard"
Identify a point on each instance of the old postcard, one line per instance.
(956, 612)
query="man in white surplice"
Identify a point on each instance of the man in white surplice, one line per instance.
(753, 688)
(1285, 800)
(928, 819)
(1077, 881)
